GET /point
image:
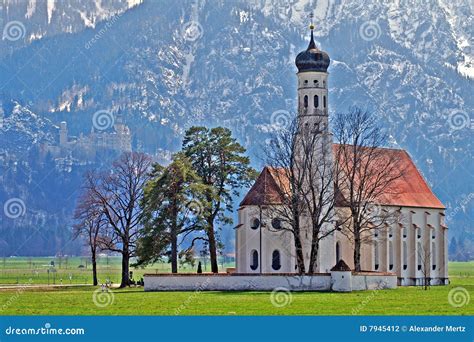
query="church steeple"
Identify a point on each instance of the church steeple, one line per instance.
(312, 74)
(312, 59)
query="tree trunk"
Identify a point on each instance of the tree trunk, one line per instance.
(125, 267)
(299, 254)
(357, 246)
(313, 256)
(174, 253)
(174, 241)
(94, 269)
(212, 247)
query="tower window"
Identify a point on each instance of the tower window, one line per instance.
(254, 264)
(305, 81)
(324, 101)
(316, 101)
(255, 223)
(315, 82)
(306, 101)
(338, 251)
(276, 223)
(276, 264)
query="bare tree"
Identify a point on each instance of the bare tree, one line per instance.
(319, 194)
(119, 194)
(367, 175)
(424, 262)
(281, 158)
(301, 161)
(90, 219)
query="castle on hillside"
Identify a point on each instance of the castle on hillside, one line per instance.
(413, 248)
(85, 148)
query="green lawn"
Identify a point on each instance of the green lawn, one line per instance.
(77, 270)
(133, 301)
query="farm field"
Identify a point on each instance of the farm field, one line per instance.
(88, 300)
(77, 270)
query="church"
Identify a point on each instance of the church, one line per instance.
(263, 248)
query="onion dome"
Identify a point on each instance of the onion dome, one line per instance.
(312, 59)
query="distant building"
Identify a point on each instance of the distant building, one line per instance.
(86, 147)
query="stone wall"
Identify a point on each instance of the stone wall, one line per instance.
(264, 282)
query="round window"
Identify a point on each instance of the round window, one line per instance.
(276, 223)
(255, 223)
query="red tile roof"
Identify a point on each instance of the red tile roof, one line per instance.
(411, 190)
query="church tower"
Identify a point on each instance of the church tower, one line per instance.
(313, 128)
(312, 75)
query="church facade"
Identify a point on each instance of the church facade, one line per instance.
(262, 247)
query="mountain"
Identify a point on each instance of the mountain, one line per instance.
(164, 66)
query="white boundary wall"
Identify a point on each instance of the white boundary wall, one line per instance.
(243, 282)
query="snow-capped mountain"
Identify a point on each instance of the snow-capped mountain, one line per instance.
(164, 66)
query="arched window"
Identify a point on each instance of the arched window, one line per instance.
(433, 255)
(376, 255)
(306, 101)
(254, 256)
(276, 223)
(255, 223)
(315, 83)
(316, 101)
(276, 264)
(338, 252)
(420, 256)
(390, 255)
(405, 255)
(324, 101)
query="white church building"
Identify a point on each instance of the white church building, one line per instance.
(265, 253)
(262, 247)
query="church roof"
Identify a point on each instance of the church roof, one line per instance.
(410, 190)
(266, 189)
(341, 266)
(312, 59)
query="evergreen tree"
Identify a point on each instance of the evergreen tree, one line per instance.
(220, 162)
(167, 211)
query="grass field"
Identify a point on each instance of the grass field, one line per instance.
(76, 270)
(86, 300)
